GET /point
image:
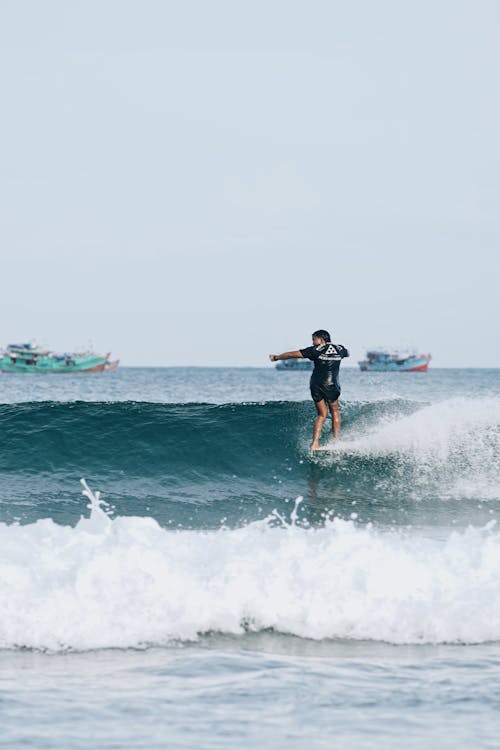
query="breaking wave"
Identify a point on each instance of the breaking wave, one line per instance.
(128, 582)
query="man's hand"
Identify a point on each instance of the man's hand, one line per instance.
(286, 355)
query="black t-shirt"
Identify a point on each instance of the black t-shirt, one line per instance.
(327, 358)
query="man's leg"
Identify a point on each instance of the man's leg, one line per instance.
(318, 423)
(335, 414)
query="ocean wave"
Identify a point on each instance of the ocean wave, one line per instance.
(128, 582)
(38, 434)
(236, 458)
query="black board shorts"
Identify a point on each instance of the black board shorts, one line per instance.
(324, 392)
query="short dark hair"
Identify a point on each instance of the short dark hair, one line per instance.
(322, 334)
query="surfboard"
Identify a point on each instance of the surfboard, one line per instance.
(331, 448)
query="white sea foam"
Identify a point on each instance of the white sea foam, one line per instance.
(455, 443)
(433, 430)
(125, 582)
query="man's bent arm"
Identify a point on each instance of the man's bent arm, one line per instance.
(286, 355)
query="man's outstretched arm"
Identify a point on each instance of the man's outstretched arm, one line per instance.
(286, 355)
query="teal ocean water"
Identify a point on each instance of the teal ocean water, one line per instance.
(219, 587)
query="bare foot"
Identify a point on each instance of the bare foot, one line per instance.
(314, 447)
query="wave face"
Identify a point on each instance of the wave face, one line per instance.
(191, 465)
(128, 582)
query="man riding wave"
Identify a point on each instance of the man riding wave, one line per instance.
(325, 387)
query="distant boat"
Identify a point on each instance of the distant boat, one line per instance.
(294, 364)
(24, 358)
(387, 361)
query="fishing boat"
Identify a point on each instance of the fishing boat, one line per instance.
(27, 357)
(395, 361)
(294, 364)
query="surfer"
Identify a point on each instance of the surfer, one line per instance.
(325, 388)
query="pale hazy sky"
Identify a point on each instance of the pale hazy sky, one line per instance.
(207, 182)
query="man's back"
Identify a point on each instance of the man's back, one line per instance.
(327, 358)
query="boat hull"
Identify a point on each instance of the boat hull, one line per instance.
(85, 364)
(412, 364)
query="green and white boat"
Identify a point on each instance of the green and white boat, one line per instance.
(23, 358)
